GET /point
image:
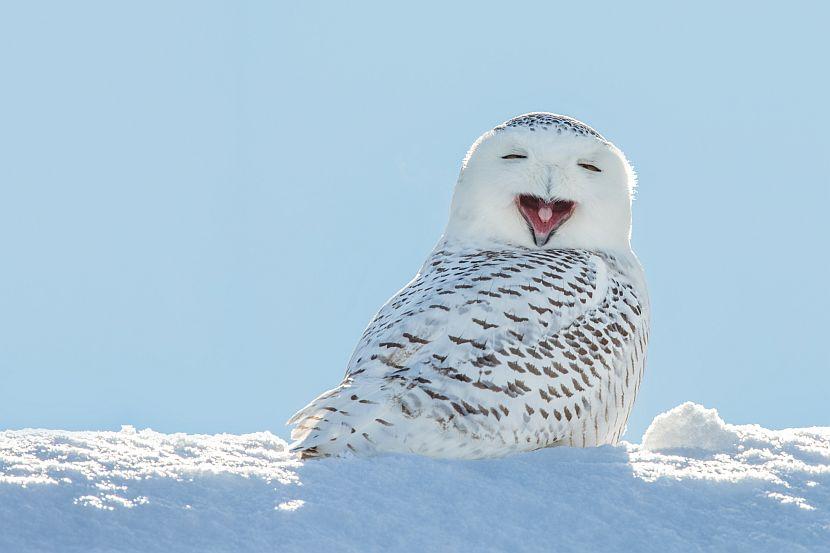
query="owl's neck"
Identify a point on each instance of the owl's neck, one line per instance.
(455, 245)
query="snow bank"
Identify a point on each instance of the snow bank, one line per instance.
(696, 483)
(690, 426)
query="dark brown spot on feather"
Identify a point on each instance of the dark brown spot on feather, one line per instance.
(488, 293)
(522, 385)
(414, 339)
(515, 318)
(434, 395)
(540, 310)
(515, 366)
(532, 369)
(484, 324)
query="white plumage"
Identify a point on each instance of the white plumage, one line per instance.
(525, 328)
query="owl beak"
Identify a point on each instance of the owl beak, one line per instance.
(543, 217)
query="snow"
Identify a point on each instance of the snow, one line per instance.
(692, 426)
(695, 483)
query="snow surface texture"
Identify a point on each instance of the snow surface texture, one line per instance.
(695, 483)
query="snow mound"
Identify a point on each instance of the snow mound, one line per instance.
(689, 426)
(700, 484)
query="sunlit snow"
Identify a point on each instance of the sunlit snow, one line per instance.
(696, 482)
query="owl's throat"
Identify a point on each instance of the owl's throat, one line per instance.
(543, 217)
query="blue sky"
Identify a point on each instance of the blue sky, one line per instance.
(202, 204)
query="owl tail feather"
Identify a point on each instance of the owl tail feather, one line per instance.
(340, 422)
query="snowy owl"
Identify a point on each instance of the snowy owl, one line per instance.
(525, 328)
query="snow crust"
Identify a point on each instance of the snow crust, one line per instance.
(696, 483)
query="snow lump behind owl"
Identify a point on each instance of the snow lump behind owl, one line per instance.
(525, 328)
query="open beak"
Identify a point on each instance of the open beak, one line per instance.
(543, 217)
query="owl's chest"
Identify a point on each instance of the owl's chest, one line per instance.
(521, 288)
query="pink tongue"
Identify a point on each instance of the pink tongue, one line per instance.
(543, 216)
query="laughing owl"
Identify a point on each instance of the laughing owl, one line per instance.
(525, 328)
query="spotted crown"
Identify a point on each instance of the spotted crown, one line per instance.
(550, 122)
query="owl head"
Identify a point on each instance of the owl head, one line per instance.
(542, 180)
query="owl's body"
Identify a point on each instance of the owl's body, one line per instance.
(525, 328)
(490, 352)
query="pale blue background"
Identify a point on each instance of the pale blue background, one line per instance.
(202, 203)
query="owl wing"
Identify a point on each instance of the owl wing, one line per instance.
(477, 344)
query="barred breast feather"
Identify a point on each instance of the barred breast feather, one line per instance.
(486, 353)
